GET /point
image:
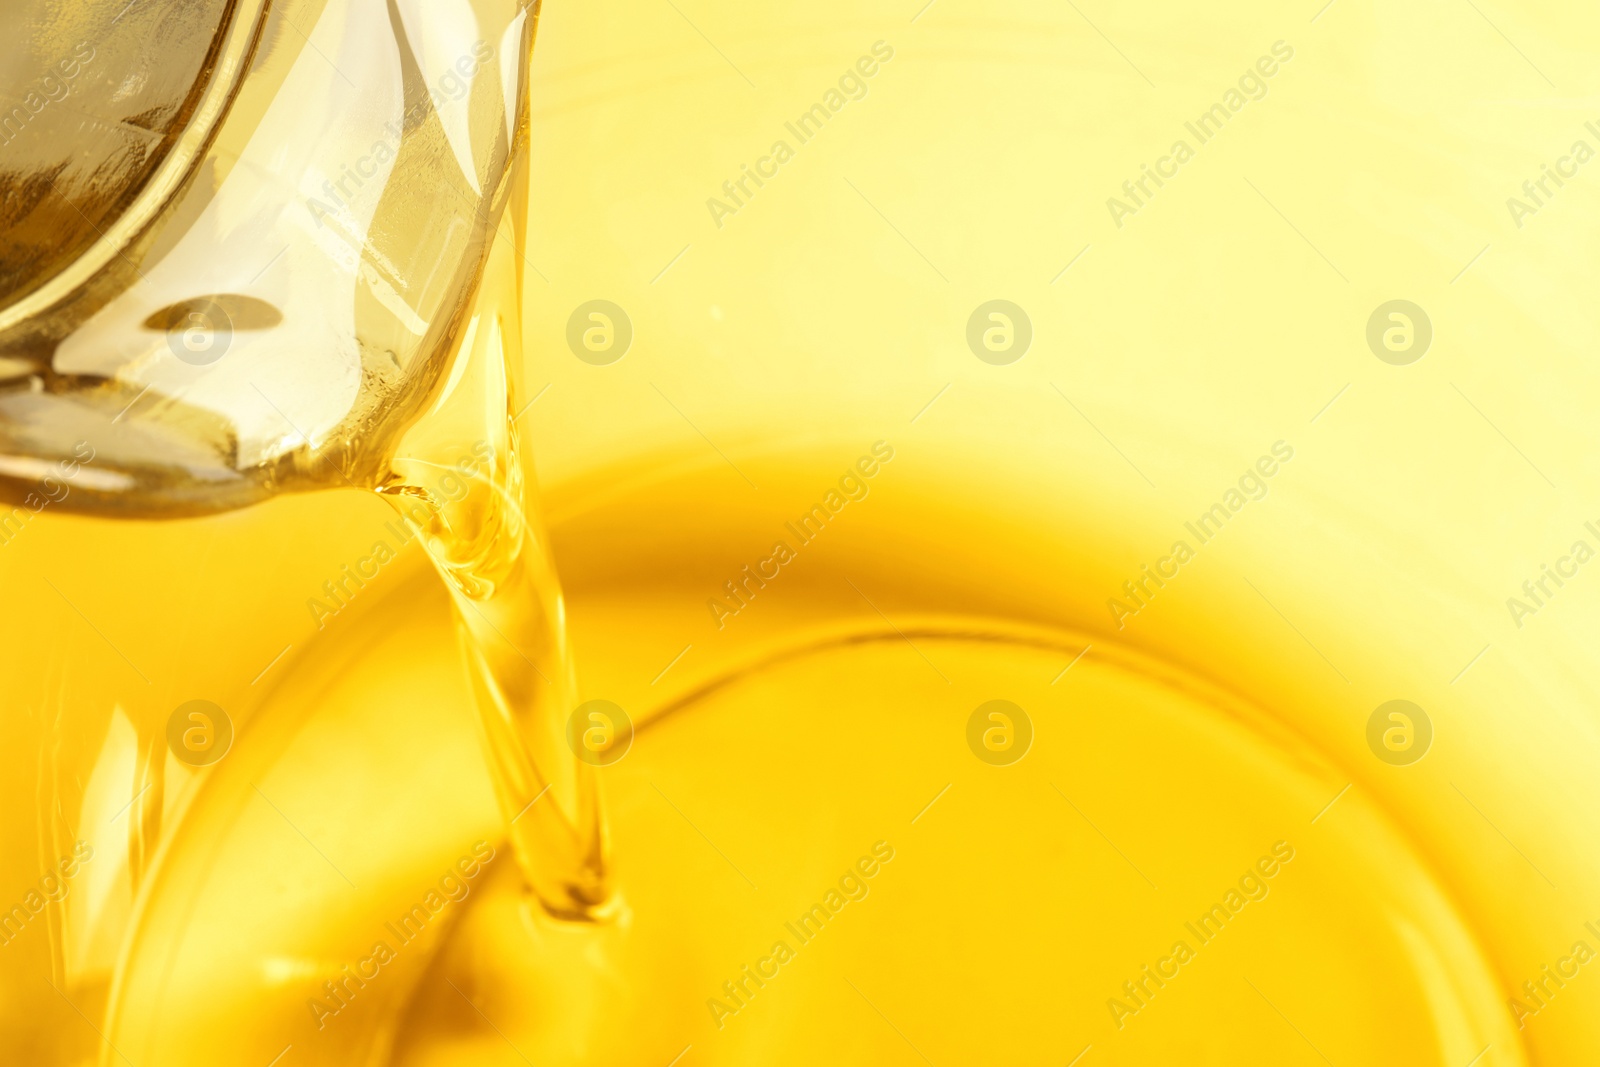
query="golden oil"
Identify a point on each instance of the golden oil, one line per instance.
(820, 848)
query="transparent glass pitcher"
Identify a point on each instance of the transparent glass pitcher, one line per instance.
(243, 239)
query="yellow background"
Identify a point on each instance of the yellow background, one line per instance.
(1222, 318)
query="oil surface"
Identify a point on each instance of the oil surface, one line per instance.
(1016, 911)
